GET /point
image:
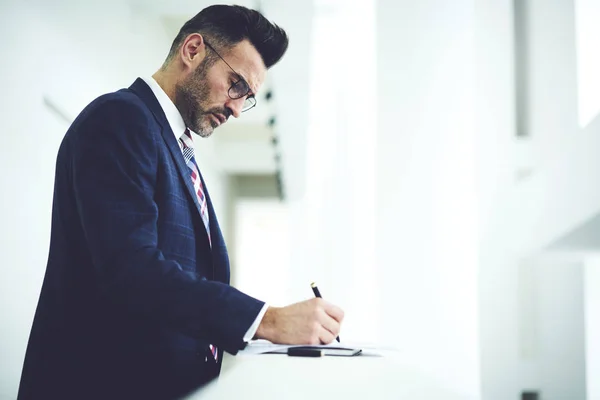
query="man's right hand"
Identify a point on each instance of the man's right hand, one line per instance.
(309, 322)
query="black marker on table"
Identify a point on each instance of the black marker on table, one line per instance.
(304, 352)
(315, 290)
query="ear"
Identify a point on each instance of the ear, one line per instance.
(193, 50)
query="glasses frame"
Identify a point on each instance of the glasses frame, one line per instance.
(252, 98)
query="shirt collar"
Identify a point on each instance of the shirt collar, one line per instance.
(171, 112)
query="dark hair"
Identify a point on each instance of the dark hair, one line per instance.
(225, 26)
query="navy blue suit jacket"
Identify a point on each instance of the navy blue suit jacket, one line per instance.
(133, 293)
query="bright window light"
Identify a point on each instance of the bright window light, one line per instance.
(587, 15)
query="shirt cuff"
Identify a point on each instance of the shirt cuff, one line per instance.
(254, 327)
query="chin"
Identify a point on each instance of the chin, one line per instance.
(203, 128)
(207, 128)
(205, 131)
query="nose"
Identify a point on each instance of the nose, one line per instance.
(235, 106)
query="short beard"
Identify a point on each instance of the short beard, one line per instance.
(190, 94)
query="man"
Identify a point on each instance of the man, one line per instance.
(136, 301)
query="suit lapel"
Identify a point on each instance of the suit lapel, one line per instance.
(219, 256)
(145, 93)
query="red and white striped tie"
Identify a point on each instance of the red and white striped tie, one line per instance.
(214, 351)
(187, 147)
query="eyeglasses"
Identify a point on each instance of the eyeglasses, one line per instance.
(239, 88)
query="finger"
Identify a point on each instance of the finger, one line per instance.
(325, 336)
(332, 325)
(334, 312)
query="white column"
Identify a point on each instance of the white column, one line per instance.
(340, 174)
(426, 202)
(328, 135)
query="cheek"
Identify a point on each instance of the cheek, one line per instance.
(219, 93)
(217, 88)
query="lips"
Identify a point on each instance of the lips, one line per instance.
(221, 118)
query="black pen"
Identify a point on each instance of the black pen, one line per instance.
(315, 290)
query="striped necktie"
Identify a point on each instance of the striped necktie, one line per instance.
(187, 147)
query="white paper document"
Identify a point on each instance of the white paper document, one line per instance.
(255, 347)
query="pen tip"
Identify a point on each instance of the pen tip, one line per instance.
(313, 284)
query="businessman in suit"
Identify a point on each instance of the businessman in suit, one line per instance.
(136, 301)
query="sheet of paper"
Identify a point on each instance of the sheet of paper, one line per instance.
(255, 347)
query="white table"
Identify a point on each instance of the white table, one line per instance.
(277, 377)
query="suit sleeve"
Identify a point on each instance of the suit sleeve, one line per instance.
(114, 175)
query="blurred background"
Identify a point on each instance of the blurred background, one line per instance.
(433, 165)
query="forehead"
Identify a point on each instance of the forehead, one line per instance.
(246, 61)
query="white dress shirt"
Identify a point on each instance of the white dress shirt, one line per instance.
(178, 127)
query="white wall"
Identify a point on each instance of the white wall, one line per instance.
(522, 213)
(587, 13)
(457, 201)
(327, 143)
(495, 126)
(70, 53)
(426, 199)
(386, 219)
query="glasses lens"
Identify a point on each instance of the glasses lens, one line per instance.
(239, 89)
(249, 103)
